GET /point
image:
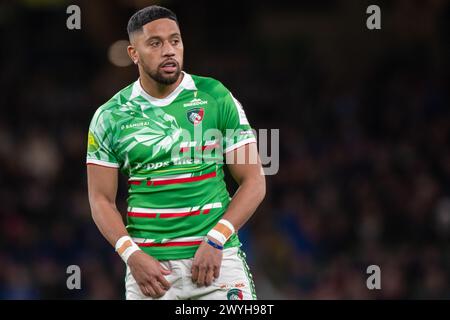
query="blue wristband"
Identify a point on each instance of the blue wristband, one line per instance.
(213, 244)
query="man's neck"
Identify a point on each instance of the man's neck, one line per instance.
(156, 89)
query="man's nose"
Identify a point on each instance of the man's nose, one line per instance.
(168, 49)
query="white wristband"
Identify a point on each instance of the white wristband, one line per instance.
(228, 224)
(125, 246)
(219, 236)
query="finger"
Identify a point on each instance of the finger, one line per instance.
(158, 288)
(165, 271)
(148, 291)
(201, 276)
(216, 272)
(194, 273)
(165, 284)
(152, 291)
(209, 276)
(144, 290)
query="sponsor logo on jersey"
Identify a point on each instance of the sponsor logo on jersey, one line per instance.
(195, 116)
(225, 286)
(244, 132)
(195, 102)
(151, 165)
(92, 143)
(134, 125)
(235, 294)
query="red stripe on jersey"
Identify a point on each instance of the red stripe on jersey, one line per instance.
(181, 180)
(211, 146)
(179, 214)
(135, 182)
(171, 244)
(141, 215)
(168, 215)
(208, 147)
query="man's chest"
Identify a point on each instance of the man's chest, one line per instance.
(184, 129)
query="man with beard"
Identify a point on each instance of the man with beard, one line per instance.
(181, 238)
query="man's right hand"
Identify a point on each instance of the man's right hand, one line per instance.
(149, 274)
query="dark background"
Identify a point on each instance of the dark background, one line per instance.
(364, 141)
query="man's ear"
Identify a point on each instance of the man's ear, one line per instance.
(132, 53)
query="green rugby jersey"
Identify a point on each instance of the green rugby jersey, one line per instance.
(172, 152)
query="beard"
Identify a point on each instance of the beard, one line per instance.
(160, 77)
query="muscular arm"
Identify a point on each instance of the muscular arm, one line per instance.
(245, 167)
(248, 173)
(102, 189)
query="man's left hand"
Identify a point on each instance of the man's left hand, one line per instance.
(206, 264)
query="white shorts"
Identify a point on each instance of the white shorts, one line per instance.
(234, 283)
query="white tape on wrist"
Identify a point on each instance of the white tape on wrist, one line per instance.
(220, 237)
(228, 224)
(125, 246)
(222, 231)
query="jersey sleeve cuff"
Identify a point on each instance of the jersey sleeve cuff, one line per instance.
(240, 144)
(102, 163)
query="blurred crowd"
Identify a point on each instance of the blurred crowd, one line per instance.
(364, 123)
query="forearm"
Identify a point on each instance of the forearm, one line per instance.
(247, 198)
(108, 220)
(102, 191)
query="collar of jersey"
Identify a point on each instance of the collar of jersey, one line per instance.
(187, 83)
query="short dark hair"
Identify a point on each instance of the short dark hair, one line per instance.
(146, 15)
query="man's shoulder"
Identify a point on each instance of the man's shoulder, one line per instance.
(211, 86)
(115, 102)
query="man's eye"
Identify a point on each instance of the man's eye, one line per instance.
(154, 44)
(175, 41)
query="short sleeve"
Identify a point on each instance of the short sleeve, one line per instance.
(235, 126)
(100, 141)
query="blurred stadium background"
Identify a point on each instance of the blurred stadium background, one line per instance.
(364, 141)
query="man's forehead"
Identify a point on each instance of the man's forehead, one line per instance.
(160, 27)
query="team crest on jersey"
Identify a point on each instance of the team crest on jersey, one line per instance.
(235, 294)
(195, 116)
